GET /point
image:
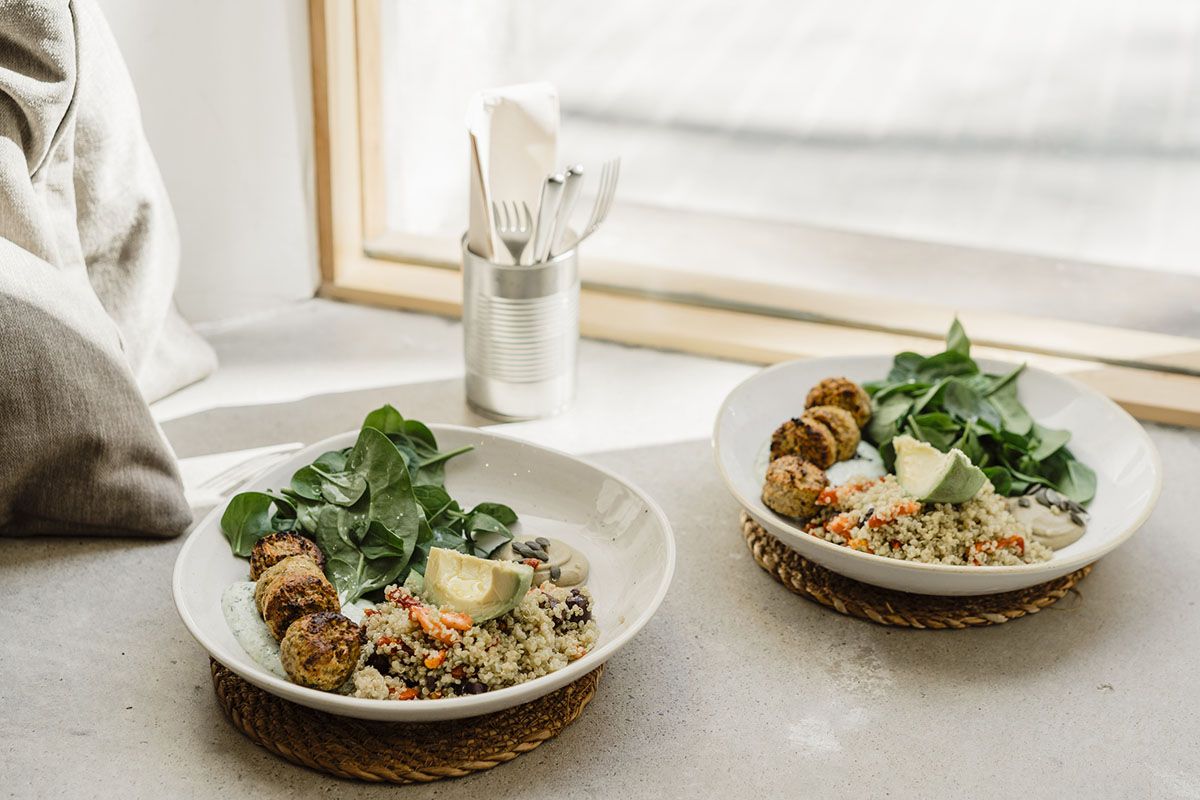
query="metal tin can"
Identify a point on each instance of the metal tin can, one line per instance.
(521, 335)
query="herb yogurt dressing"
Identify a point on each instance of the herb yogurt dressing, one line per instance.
(242, 617)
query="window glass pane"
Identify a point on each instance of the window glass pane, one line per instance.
(1068, 130)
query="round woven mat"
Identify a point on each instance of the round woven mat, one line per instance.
(397, 752)
(888, 607)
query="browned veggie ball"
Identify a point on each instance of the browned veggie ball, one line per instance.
(291, 589)
(807, 438)
(841, 424)
(792, 486)
(320, 650)
(273, 548)
(843, 393)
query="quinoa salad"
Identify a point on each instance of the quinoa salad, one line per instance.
(877, 516)
(416, 650)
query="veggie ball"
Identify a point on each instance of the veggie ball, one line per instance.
(273, 548)
(292, 589)
(843, 393)
(793, 486)
(841, 424)
(806, 437)
(321, 650)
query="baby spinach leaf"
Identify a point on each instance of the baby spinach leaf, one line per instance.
(1000, 478)
(947, 401)
(957, 341)
(433, 499)
(905, 367)
(887, 417)
(247, 519)
(1013, 415)
(340, 488)
(965, 402)
(968, 442)
(937, 429)
(946, 364)
(1079, 483)
(379, 542)
(998, 382)
(333, 461)
(390, 495)
(385, 419)
(499, 512)
(1048, 441)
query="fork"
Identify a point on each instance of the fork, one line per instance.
(514, 224)
(609, 174)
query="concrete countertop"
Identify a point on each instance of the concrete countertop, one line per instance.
(735, 687)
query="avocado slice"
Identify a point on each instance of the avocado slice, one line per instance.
(933, 476)
(480, 587)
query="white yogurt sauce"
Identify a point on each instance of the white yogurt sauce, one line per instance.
(242, 617)
(867, 463)
(241, 614)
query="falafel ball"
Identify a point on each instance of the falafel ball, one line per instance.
(792, 486)
(806, 437)
(275, 547)
(843, 393)
(321, 650)
(291, 589)
(841, 424)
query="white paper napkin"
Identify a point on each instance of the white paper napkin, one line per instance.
(516, 132)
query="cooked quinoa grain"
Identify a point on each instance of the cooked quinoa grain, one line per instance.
(877, 516)
(415, 650)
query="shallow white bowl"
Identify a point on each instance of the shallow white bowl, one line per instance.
(623, 533)
(1103, 436)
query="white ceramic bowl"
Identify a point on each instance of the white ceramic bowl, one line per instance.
(623, 533)
(1103, 436)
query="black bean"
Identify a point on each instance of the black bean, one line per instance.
(431, 681)
(580, 605)
(380, 662)
(1023, 502)
(474, 687)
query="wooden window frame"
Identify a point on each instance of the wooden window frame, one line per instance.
(667, 309)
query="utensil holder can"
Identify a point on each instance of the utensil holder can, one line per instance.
(521, 335)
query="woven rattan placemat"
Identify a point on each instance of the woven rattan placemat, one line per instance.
(900, 609)
(397, 752)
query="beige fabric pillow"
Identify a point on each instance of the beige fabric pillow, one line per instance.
(89, 255)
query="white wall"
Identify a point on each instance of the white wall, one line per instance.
(225, 93)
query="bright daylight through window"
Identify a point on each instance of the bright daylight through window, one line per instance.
(853, 149)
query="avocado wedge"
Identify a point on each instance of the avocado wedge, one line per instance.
(480, 587)
(933, 476)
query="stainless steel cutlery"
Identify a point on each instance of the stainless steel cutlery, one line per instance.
(534, 239)
(514, 225)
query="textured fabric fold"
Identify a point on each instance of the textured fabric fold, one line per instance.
(89, 257)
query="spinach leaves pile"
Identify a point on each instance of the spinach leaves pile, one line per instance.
(947, 401)
(374, 509)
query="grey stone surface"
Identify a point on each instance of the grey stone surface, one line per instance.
(735, 688)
